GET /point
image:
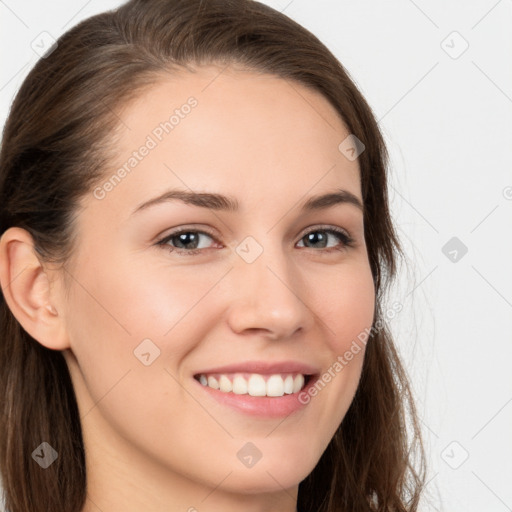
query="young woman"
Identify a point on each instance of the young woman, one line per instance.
(196, 242)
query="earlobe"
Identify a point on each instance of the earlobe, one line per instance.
(26, 289)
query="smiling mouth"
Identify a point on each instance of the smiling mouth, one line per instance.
(255, 384)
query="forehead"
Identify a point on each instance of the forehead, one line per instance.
(242, 132)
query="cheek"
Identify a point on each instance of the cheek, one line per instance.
(125, 315)
(348, 303)
(131, 302)
(347, 311)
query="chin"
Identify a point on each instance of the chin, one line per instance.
(274, 474)
(261, 482)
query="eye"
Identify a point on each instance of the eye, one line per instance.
(187, 241)
(312, 237)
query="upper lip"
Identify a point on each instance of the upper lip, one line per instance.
(263, 367)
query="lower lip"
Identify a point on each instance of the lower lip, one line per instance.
(263, 406)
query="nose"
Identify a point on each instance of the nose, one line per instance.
(268, 297)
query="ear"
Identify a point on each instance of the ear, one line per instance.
(26, 289)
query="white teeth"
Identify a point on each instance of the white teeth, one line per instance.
(298, 383)
(239, 385)
(212, 383)
(275, 386)
(225, 384)
(256, 385)
(288, 385)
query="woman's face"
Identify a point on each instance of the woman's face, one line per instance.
(242, 295)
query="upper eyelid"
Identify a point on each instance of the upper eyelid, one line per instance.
(213, 232)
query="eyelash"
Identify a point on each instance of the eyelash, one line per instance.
(346, 239)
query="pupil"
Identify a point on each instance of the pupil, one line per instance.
(183, 238)
(316, 235)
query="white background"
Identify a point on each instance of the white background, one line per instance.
(447, 122)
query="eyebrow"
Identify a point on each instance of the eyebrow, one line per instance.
(221, 202)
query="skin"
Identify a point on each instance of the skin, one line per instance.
(153, 440)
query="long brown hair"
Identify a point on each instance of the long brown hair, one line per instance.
(56, 144)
